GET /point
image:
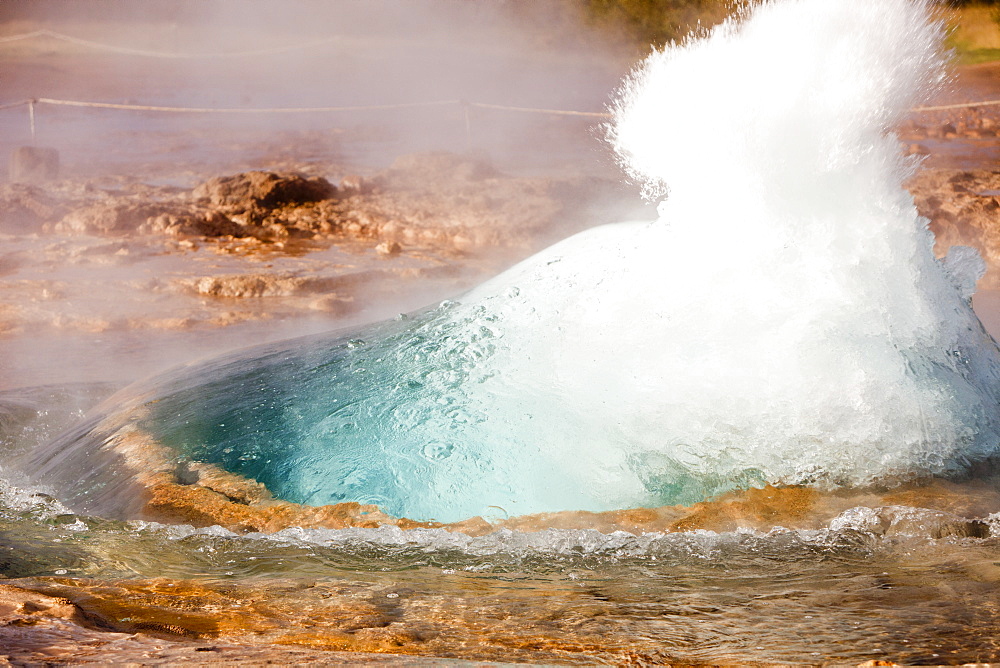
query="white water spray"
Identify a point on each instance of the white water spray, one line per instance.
(783, 321)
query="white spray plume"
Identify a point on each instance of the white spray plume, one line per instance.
(784, 320)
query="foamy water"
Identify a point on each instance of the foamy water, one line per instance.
(783, 321)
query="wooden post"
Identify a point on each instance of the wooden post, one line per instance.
(468, 125)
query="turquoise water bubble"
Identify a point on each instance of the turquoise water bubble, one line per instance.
(790, 327)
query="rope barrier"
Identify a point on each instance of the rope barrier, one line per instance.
(27, 35)
(45, 32)
(374, 107)
(293, 110)
(32, 103)
(466, 106)
(165, 54)
(559, 112)
(960, 105)
(52, 34)
(234, 110)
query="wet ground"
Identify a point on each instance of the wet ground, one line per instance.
(775, 576)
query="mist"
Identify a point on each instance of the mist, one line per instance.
(79, 307)
(307, 54)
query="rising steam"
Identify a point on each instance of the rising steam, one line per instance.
(783, 321)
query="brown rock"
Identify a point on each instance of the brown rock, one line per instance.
(115, 216)
(388, 248)
(26, 208)
(271, 285)
(751, 507)
(264, 190)
(962, 207)
(354, 184)
(210, 224)
(253, 285)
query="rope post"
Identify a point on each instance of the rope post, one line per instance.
(31, 118)
(468, 124)
(32, 163)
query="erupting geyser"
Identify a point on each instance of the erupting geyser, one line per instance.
(783, 321)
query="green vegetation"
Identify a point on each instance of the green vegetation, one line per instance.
(653, 23)
(640, 25)
(974, 25)
(977, 56)
(974, 30)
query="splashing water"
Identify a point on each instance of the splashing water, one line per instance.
(784, 320)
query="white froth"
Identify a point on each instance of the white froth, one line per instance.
(785, 319)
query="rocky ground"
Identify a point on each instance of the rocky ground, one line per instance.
(129, 276)
(111, 275)
(286, 251)
(958, 183)
(266, 253)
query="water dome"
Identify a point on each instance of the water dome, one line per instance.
(783, 321)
